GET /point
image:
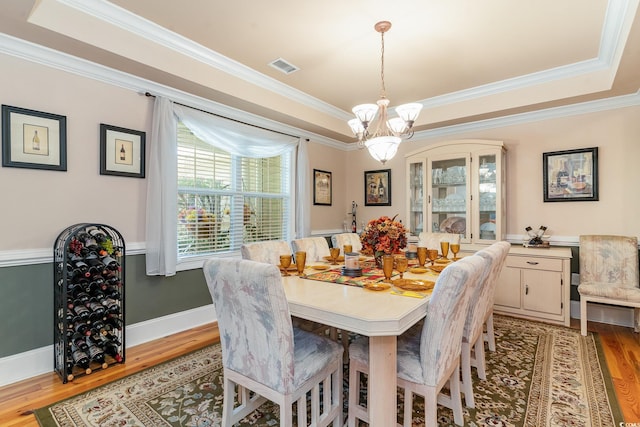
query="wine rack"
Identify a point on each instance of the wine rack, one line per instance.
(89, 321)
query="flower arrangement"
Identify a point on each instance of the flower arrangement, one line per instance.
(383, 236)
(198, 221)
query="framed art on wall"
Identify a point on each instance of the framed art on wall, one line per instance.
(121, 151)
(322, 183)
(571, 175)
(377, 188)
(33, 139)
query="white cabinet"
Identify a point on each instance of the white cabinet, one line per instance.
(458, 187)
(534, 283)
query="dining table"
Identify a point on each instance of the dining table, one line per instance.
(379, 315)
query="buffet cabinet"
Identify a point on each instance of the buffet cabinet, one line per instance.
(458, 187)
(535, 284)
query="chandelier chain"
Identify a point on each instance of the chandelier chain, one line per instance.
(384, 90)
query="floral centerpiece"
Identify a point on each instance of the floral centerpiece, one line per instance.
(199, 222)
(382, 236)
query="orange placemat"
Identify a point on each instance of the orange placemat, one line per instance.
(369, 275)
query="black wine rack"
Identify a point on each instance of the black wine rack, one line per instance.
(89, 320)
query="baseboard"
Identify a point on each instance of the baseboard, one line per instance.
(602, 313)
(39, 361)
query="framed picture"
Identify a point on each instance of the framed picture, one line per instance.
(321, 187)
(570, 176)
(377, 188)
(121, 151)
(33, 139)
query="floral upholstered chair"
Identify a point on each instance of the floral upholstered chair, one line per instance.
(261, 351)
(480, 313)
(353, 239)
(316, 247)
(609, 274)
(428, 357)
(267, 251)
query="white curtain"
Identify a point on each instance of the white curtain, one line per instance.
(162, 187)
(303, 193)
(234, 137)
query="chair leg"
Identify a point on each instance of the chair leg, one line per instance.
(583, 316)
(467, 386)
(430, 409)
(354, 393)
(490, 337)
(456, 400)
(480, 362)
(636, 319)
(408, 408)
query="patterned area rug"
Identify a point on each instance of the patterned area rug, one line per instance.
(540, 375)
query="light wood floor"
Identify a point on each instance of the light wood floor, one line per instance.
(17, 401)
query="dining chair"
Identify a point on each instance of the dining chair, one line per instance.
(480, 311)
(263, 355)
(609, 274)
(432, 240)
(341, 239)
(429, 357)
(316, 247)
(267, 251)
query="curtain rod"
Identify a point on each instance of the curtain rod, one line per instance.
(228, 118)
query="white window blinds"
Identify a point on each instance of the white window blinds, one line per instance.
(225, 200)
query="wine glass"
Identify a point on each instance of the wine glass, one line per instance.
(444, 248)
(422, 255)
(401, 265)
(334, 253)
(432, 255)
(285, 263)
(301, 259)
(455, 248)
(387, 266)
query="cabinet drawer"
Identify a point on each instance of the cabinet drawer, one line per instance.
(548, 264)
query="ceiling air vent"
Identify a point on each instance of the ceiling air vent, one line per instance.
(284, 66)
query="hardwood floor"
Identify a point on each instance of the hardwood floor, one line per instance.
(17, 401)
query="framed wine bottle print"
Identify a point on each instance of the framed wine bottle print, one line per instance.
(571, 175)
(377, 188)
(121, 151)
(33, 139)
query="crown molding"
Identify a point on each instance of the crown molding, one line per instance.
(618, 19)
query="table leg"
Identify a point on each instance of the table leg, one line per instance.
(382, 381)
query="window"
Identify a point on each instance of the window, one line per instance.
(226, 200)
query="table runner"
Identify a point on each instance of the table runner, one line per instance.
(369, 275)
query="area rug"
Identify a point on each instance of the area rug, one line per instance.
(540, 375)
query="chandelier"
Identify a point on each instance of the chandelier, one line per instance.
(383, 137)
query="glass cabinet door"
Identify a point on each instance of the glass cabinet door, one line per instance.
(416, 197)
(449, 183)
(487, 193)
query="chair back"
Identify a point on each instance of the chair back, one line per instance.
(267, 251)
(432, 240)
(256, 334)
(482, 300)
(609, 260)
(353, 239)
(441, 339)
(315, 247)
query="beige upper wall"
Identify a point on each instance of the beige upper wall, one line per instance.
(39, 204)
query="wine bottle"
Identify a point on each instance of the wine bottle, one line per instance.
(79, 341)
(80, 268)
(114, 322)
(113, 338)
(123, 153)
(562, 179)
(111, 264)
(81, 359)
(35, 141)
(69, 369)
(111, 305)
(97, 355)
(81, 327)
(112, 292)
(96, 267)
(80, 310)
(96, 310)
(112, 349)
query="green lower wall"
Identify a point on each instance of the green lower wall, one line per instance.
(26, 301)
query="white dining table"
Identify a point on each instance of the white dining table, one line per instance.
(380, 315)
